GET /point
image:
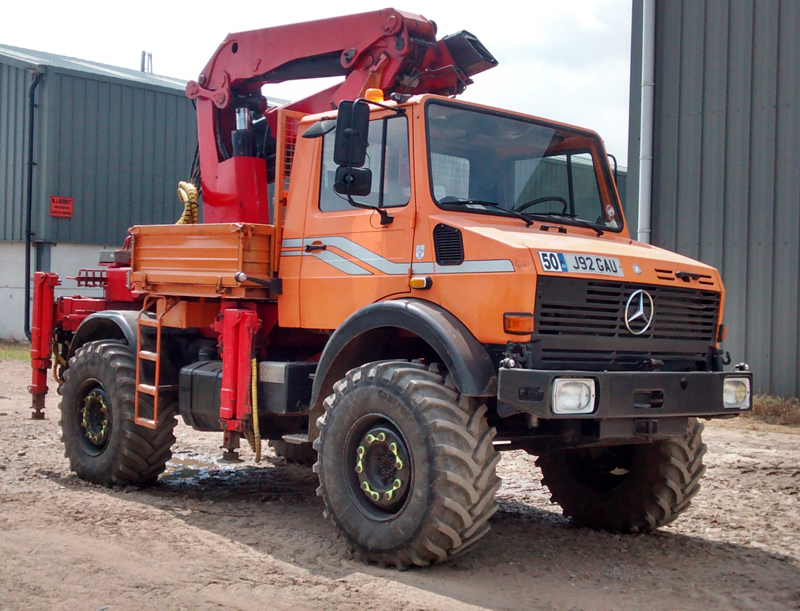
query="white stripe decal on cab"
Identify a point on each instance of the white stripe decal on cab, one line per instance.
(374, 260)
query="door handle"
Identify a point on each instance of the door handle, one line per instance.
(313, 247)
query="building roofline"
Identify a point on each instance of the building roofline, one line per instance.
(29, 59)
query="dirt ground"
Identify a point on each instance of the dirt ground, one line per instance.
(211, 536)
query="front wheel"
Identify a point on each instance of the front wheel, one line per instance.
(406, 464)
(102, 442)
(627, 488)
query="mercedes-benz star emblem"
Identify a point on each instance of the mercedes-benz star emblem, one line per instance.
(639, 312)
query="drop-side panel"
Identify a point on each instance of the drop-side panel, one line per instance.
(202, 260)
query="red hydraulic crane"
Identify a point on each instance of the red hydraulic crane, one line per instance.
(391, 50)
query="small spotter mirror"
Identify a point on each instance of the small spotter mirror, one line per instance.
(353, 181)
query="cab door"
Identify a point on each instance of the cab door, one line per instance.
(350, 259)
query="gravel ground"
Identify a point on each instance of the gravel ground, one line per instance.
(212, 536)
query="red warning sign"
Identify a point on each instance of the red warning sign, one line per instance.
(61, 207)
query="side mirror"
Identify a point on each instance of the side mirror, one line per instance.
(320, 128)
(353, 181)
(352, 128)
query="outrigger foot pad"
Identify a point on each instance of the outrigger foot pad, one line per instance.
(230, 456)
(37, 404)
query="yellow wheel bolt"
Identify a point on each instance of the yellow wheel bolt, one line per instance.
(395, 486)
(360, 453)
(372, 494)
(398, 464)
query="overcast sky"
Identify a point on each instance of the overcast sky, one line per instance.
(566, 60)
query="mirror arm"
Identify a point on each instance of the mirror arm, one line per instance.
(386, 218)
(614, 159)
(395, 109)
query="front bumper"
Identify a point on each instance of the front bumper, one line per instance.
(644, 395)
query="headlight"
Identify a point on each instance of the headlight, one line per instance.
(736, 393)
(573, 396)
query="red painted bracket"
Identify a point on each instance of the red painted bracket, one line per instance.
(44, 286)
(238, 329)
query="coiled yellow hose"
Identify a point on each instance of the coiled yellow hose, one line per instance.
(188, 194)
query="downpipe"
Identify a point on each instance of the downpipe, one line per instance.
(29, 203)
(646, 132)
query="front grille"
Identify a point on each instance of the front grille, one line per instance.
(566, 306)
(581, 323)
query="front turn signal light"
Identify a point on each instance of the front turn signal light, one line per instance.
(518, 323)
(421, 282)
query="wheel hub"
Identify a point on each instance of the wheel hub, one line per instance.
(94, 417)
(383, 467)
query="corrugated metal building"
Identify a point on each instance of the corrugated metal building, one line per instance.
(115, 141)
(726, 164)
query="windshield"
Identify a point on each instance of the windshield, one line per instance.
(488, 163)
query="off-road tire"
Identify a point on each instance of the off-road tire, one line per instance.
(662, 479)
(450, 497)
(132, 454)
(300, 453)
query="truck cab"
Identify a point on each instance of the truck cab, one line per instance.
(513, 225)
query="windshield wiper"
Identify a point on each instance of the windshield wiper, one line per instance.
(569, 217)
(520, 215)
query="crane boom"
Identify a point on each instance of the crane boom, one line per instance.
(387, 49)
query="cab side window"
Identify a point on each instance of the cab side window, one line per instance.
(387, 157)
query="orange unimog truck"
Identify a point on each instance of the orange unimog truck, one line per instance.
(394, 286)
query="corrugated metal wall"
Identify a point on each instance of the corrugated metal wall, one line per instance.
(117, 148)
(726, 175)
(14, 84)
(119, 151)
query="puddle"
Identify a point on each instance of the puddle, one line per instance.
(189, 468)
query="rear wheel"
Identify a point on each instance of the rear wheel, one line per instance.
(101, 441)
(406, 464)
(628, 488)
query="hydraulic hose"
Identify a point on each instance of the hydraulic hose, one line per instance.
(188, 194)
(254, 415)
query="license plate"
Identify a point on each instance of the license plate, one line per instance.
(580, 264)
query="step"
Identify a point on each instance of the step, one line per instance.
(147, 355)
(148, 322)
(149, 389)
(146, 422)
(297, 438)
